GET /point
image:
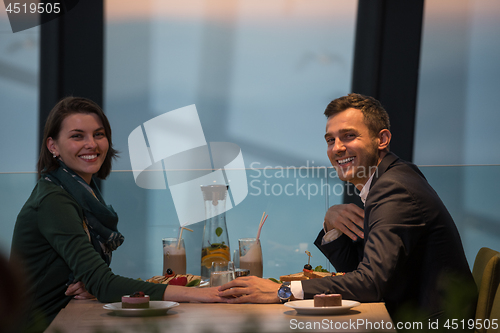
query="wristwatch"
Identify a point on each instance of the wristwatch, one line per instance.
(285, 292)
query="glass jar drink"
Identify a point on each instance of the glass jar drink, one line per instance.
(215, 243)
(251, 255)
(174, 255)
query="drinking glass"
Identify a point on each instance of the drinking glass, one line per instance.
(174, 255)
(236, 259)
(221, 273)
(251, 255)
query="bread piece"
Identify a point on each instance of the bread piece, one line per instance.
(316, 275)
(294, 277)
(305, 275)
(160, 279)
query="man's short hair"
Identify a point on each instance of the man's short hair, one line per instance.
(375, 116)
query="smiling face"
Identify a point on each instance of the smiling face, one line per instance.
(81, 144)
(353, 151)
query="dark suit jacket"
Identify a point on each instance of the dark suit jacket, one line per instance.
(411, 254)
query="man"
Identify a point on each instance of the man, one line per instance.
(404, 247)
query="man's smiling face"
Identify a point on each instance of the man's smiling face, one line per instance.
(352, 149)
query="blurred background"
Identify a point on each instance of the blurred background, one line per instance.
(261, 74)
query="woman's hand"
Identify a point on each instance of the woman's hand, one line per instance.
(190, 294)
(78, 290)
(250, 289)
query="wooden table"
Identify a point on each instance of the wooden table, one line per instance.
(89, 316)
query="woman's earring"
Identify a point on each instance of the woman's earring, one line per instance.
(54, 155)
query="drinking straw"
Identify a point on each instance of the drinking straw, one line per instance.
(180, 236)
(261, 224)
(262, 218)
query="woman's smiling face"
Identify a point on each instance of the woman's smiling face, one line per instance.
(81, 144)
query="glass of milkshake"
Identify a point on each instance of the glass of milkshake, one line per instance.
(174, 255)
(251, 256)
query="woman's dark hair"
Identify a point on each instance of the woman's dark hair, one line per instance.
(63, 109)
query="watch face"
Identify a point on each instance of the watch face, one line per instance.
(285, 292)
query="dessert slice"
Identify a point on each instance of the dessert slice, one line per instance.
(135, 301)
(322, 300)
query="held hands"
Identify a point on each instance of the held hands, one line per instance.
(250, 289)
(78, 290)
(189, 294)
(347, 218)
(210, 295)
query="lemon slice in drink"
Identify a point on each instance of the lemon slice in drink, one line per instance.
(208, 259)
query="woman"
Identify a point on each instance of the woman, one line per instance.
(65, 232)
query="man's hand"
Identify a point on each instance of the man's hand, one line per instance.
(78, 290)
(347, 218)
(250, 289)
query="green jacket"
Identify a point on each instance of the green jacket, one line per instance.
(50, 240)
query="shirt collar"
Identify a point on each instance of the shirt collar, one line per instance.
(364, 191)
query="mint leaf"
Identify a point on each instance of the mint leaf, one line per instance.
(218, 231)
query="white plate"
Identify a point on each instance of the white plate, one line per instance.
(156, 308)
(307, 307)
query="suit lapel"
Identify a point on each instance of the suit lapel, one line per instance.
(388, 159)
